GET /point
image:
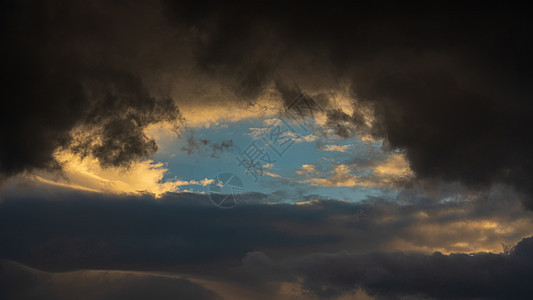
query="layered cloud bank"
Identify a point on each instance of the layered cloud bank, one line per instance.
(425, 247)
(313, 276)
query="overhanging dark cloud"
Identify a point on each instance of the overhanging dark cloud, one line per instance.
(62, 72)
(449, 85)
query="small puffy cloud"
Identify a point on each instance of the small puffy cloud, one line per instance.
(306, 138)
(306, 169)
(336, 148)
(341, 178)
(395, 165)
(257, 133)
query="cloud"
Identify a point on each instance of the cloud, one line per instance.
(336, 148)
(448, 87)
(217, 109)
(387, 171)
(202, 145)
(21, 282)
(305, 138)
(340, 178)
(87, 174)
(392, 276)
(339, 275)
(452, 92)
(67, 88)
(307, 168)
(183, 231)
(394, 166)
(398, 275)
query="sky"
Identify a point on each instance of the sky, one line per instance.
(205, 150)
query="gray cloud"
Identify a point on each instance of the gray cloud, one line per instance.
(183, 231)
(21, 282)
(214, 149)
(397, 275)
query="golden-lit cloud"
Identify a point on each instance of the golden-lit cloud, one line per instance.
(336, 148)
(394, 166)
(219, 106)
(461, 236)
(385, 173)
(140, 177)
(341, 178)
(306, 169)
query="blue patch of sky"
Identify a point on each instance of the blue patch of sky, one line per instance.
(201, 164)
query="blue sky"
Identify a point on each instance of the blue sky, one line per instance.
(201, 163)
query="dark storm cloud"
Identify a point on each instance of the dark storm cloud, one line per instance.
(21, 282)
(139, 232)
(63, 71)
(455, 276)
(397, 275)
(449, 85)
(68, 230)
(381, 275)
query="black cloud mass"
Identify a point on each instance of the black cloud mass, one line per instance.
(57, 78)
(449, 85)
